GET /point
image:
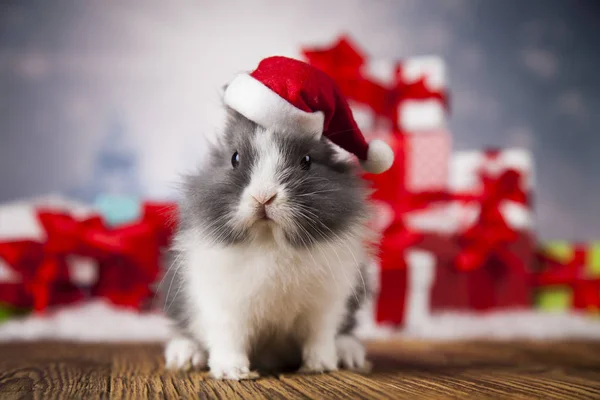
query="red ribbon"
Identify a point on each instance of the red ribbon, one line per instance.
(128, 256)
(40, 275)
(586, 290)
(396, 240)
(491, 234)
(345, 63)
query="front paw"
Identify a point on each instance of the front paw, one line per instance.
(351, 353)
(183, 354)
(319, 361)
(232, 369)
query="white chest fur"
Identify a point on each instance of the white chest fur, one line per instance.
(263, 302)
(265, 287)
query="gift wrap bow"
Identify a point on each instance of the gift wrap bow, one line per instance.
(491, 234)
(345, 63)
(572, 273)
(29, 259)
(128, 256)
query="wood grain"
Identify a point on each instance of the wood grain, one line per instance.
(402, 370)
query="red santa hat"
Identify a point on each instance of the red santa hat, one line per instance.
(291, 96)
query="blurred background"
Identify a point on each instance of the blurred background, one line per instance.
(98, 96)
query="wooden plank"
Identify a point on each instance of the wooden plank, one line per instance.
(54, 371)
(402, 369)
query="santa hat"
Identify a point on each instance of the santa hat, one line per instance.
(291, 96)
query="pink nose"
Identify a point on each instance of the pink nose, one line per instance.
(265, 199)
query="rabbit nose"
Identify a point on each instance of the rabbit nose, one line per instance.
(265, 199)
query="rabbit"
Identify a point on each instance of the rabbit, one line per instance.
(268, 264)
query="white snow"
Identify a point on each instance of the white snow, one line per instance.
(96, 321)
(507, 325)
(99, 321)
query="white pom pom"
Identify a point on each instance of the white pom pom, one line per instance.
(380, 157)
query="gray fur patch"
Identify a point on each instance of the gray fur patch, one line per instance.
(362, 292)
(327, 198)
(215, 190)
(175, 306)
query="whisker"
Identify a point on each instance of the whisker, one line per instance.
(316, 224)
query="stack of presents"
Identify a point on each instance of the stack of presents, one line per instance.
(459, 237)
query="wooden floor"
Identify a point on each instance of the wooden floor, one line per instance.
(408, 370)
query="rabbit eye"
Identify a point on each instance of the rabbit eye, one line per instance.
(305, 162)
(235, 159)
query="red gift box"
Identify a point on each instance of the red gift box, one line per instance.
(128, 258)
(406, 103)
(483, 264)
(491, 285)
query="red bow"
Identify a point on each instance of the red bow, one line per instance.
(586, 290)
(43, 276)
(128, 256)
(345, 63)
(491, 234)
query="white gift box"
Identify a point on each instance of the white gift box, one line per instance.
(464, 177)
(414, 115)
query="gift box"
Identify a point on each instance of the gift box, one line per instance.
(463, 220)
(568, 277)
(499, 179)
(483, 260)
(24, 277)
(409, 95)
(500, 281)
(402, 102)
(434, 281)
(55, 254)
(405, 104)
(486, 260)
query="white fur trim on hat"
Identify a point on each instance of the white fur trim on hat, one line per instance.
(258, 103)
(380, 157)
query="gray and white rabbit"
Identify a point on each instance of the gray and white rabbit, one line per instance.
(269, 260)
(267, 266)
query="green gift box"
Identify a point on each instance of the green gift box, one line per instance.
(8, 312)
(584, 260)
